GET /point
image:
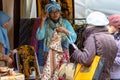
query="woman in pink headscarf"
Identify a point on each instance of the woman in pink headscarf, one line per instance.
(114, 28)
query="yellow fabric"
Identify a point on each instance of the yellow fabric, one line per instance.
(86, 73)
(41, 6)
(27, 61)
(67, 9)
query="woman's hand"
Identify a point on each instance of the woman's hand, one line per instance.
(11, 54)
(43, 18)
(8, 59)
(62, 30)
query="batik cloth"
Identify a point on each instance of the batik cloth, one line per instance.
(27, 61)
(55, 58)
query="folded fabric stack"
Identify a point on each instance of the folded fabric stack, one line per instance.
(8, 74)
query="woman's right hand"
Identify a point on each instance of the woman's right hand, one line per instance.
(8, 59)
(44, 17)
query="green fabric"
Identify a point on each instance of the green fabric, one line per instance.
(50, 28)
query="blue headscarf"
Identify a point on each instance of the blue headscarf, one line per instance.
(3, 32)
(52, 5)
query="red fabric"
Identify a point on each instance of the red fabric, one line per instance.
(65, 57)
(61, 79)
(34, 41)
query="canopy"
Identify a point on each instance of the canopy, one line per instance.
(84, 7)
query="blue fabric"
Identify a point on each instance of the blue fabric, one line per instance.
(40, 54)
(3, 32)
(52, 5)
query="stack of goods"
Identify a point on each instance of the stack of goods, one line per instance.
(8, 74)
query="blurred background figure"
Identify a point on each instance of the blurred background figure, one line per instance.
(114, 29)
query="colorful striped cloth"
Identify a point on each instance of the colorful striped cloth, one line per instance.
(27, 32)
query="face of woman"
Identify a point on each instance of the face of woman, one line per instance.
(54, 14)
(112, 29)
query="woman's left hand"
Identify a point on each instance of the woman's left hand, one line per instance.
(62, 30)
(11, 54)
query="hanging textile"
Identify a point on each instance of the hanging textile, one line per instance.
(33, 40)
(41, 6)
(27, 61)
(27, 32)
(67, 9)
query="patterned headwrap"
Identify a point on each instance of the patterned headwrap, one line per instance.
(52, 5)
(114, 20)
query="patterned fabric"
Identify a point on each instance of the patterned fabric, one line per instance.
(41, 6)
(27, 61)
(67, 9)
(34, 41)
(53, 59)
(27, 33)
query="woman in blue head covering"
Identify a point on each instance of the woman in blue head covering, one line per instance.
(50, 21)
(4, 18)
